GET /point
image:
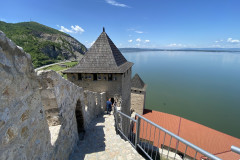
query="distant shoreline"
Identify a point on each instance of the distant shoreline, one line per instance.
(185, 49)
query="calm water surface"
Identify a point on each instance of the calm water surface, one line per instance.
(200, 86)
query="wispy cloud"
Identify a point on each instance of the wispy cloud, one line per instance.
(233, 40)
(176, 45)
(147, 41)
(115, 3)
(63, 29)
(140, 32)
(217, 46)
(138, 40)
(77, 29)
(2, 19)
(74, 29)
(92, 43)
(130, 40)
(218, 41)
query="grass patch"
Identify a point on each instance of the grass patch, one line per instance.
(61, 67)
(71, 64)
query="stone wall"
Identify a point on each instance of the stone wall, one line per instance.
(68, 109)
(38, 112)
(24, 132)
(126, 92)
(119, 85)
(138, 101)
(112, 87)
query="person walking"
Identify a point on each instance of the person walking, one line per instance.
(109, 106)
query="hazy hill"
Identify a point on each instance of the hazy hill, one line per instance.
(46, 45)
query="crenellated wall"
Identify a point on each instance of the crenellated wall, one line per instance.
(40, 114)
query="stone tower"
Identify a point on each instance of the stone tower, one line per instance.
(138, 94)
(104, 69)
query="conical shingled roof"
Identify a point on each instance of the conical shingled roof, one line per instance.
(102, 57)
(137, 82)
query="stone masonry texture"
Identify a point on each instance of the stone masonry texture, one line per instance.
(102, 143)
(38, 111)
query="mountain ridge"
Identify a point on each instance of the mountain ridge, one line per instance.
(45, 44)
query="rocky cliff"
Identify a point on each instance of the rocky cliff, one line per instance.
(45, 45)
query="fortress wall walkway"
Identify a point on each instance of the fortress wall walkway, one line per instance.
(101, 142)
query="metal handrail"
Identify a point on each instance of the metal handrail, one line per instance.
(126, 116)
(182, 140)
(235, 149)
(179, 139)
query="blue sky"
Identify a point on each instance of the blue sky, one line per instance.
(136, 23)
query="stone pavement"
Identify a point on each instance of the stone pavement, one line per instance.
(102, 143)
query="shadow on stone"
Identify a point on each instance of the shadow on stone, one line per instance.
(92, 140)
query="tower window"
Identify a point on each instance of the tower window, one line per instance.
(95, 76)
(79, 76)
(109, 77)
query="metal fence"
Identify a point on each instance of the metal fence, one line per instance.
(155, 142)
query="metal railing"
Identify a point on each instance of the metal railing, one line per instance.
(235, 149)
(155, 142)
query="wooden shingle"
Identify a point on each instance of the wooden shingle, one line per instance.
(102, 57)
(137, 82)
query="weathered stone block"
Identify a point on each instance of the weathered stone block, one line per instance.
(24, 132)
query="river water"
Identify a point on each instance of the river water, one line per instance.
(200, 86)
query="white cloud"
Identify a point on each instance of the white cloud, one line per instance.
(138, 44)
(92, 43)
(216, 41)
(147, 41)
(130, 40)
(140, 32)
(233, 40)
(77, 29)
(63, 29)
(74, 29)
(138, 40)
(115, 3)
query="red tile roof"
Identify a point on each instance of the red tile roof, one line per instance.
(206, 138)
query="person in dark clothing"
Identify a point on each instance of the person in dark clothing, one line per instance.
(109, 106)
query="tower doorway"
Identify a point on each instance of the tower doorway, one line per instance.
(79, 117)
(112, 100)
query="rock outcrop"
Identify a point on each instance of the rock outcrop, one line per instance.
(46, 45)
